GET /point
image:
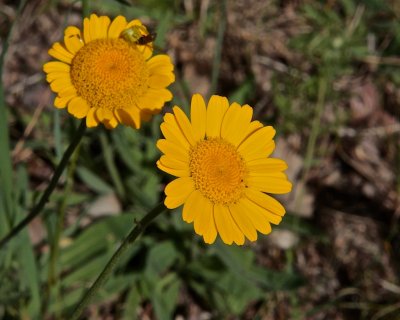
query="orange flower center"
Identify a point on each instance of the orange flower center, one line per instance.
(218, 170)
(110, 74)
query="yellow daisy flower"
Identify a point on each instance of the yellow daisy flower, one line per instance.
(104, 75)
(221, 159)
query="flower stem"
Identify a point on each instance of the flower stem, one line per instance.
(315, 130)
(6, 173)
(50, 188)
(53, 280)
(85, 8)
(218, 48)
(132, 236)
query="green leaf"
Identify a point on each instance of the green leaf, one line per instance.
(238, 293)
(165, 296)
(28, 271)
(144, 189)
(241, 263)
(108, 154)
(131, 303)
(69, 300)
(93, 181)
(87, 271)
(161, 257)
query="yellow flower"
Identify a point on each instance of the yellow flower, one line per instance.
(221, 159)
(103, 76)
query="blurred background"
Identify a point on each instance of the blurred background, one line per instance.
(325, 74)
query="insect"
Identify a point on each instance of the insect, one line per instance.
(138, 35)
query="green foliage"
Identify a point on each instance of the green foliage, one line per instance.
(333, 47)
(167, 259)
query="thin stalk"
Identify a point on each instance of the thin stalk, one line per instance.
(397, 155)
(105, 274)
(112, 169)
(50, 188)
(85, 8)
(218, 48)
(315, 129)
(6, 172)
(53, 276)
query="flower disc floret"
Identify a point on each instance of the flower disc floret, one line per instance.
(109, 73)
(218, 170)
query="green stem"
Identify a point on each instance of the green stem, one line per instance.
(315, 129)
(85, 8)
(6, 169)
(132, 236)
(110, 164)
(218, 48)
(316, 125)
(53, 276)
(53, 183)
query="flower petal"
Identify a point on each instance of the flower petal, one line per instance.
(72, 43)
(178, 191)
(57, 75)
(174, 202)
(116, 27)
(266, 165)
(160, 64)
(184, 124)
(216, 109)
(94, 27)
(104, 114)
(254, 214)
(258, 145)
(254, 126)
(59, 52)
(91, 120)
(173, 133)
(227, 228)
(193, 207)
(198, 117)
(71, 31)
(56, 66)
(265, 201)
(129, 117)
(236, 123)
(110, 123)
(173, 150)
(67, 92)
(174, 164)
(61, 103)
(86, 30)
(173, 171)
(104, 23)
(243, 222)
(154, 99)
(159, 81)
(269, 184)
(268, 215)
(204, 223)
(61, 84)
(78, 107)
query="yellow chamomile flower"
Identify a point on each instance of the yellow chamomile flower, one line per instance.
(222, 161)
(107, 74)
